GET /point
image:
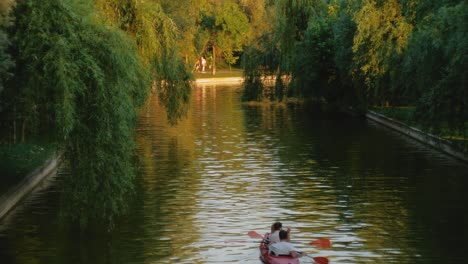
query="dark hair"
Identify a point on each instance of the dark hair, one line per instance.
(277, 225)
(283, 234)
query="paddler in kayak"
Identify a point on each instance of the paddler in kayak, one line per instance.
(274, 235)
(284, 247)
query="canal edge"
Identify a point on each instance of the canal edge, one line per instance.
(219, 80)
(17, 193)
(438, 143)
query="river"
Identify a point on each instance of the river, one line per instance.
(229, 168)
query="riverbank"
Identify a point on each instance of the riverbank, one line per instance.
(438, 143)
(222, 76)
(19, 159)
(16, 193)
(219, 80)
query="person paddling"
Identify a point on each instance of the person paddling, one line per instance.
(284, 247)
(274, 235)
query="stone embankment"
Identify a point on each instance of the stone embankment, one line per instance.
(17, 193)
(220, 80)
(436, 142)
(268, 80)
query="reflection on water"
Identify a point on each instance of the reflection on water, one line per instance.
(229, 168)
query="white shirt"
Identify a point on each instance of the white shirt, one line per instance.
(274, 237)
(281, 248)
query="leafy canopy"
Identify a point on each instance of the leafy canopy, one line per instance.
(94, 80)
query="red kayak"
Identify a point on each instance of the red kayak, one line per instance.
(270, 259)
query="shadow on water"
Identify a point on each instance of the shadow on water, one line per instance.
(399, 200)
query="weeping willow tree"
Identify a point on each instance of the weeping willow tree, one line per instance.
(5, 59)
(381, 36)
(279, 56)
(156, 36)
(313, 69)
(435, 67)
(6, 62)
(86, 80)
(224, 29)
(262, 62)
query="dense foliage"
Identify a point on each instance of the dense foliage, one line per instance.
(157, 38)
(6, 62)
(226, 28)
(436, 67)
(82, 69)
(366, 53)
(86, 80)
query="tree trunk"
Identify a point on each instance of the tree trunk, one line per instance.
(14, 124)
(23, 131)
(14, 131)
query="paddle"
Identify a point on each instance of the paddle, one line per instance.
(254, 234)
(320, 243)
(319, 260)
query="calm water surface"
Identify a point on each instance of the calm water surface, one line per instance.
(229, 168)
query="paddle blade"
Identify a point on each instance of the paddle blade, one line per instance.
(321, 243)
(320, 260)
(254, 234)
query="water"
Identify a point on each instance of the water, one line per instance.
(230, 168)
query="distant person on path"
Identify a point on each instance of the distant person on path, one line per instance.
(203, 63)
(274, 235)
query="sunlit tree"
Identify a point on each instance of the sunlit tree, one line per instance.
(382, 33)
(224, 31)
(157, 37)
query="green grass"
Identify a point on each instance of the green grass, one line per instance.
(18, 160)
(402, 114)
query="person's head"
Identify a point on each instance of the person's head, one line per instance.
(283, 234)
(277, 226)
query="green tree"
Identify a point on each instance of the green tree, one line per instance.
(186, 14)
(313, 70)
(85, 79)
(260, 14)
(6, 62)
(283, 55)
(292, 21)
(382, 33)
(353, 93)
(157, 37)
(225, 31)
(434, 68)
